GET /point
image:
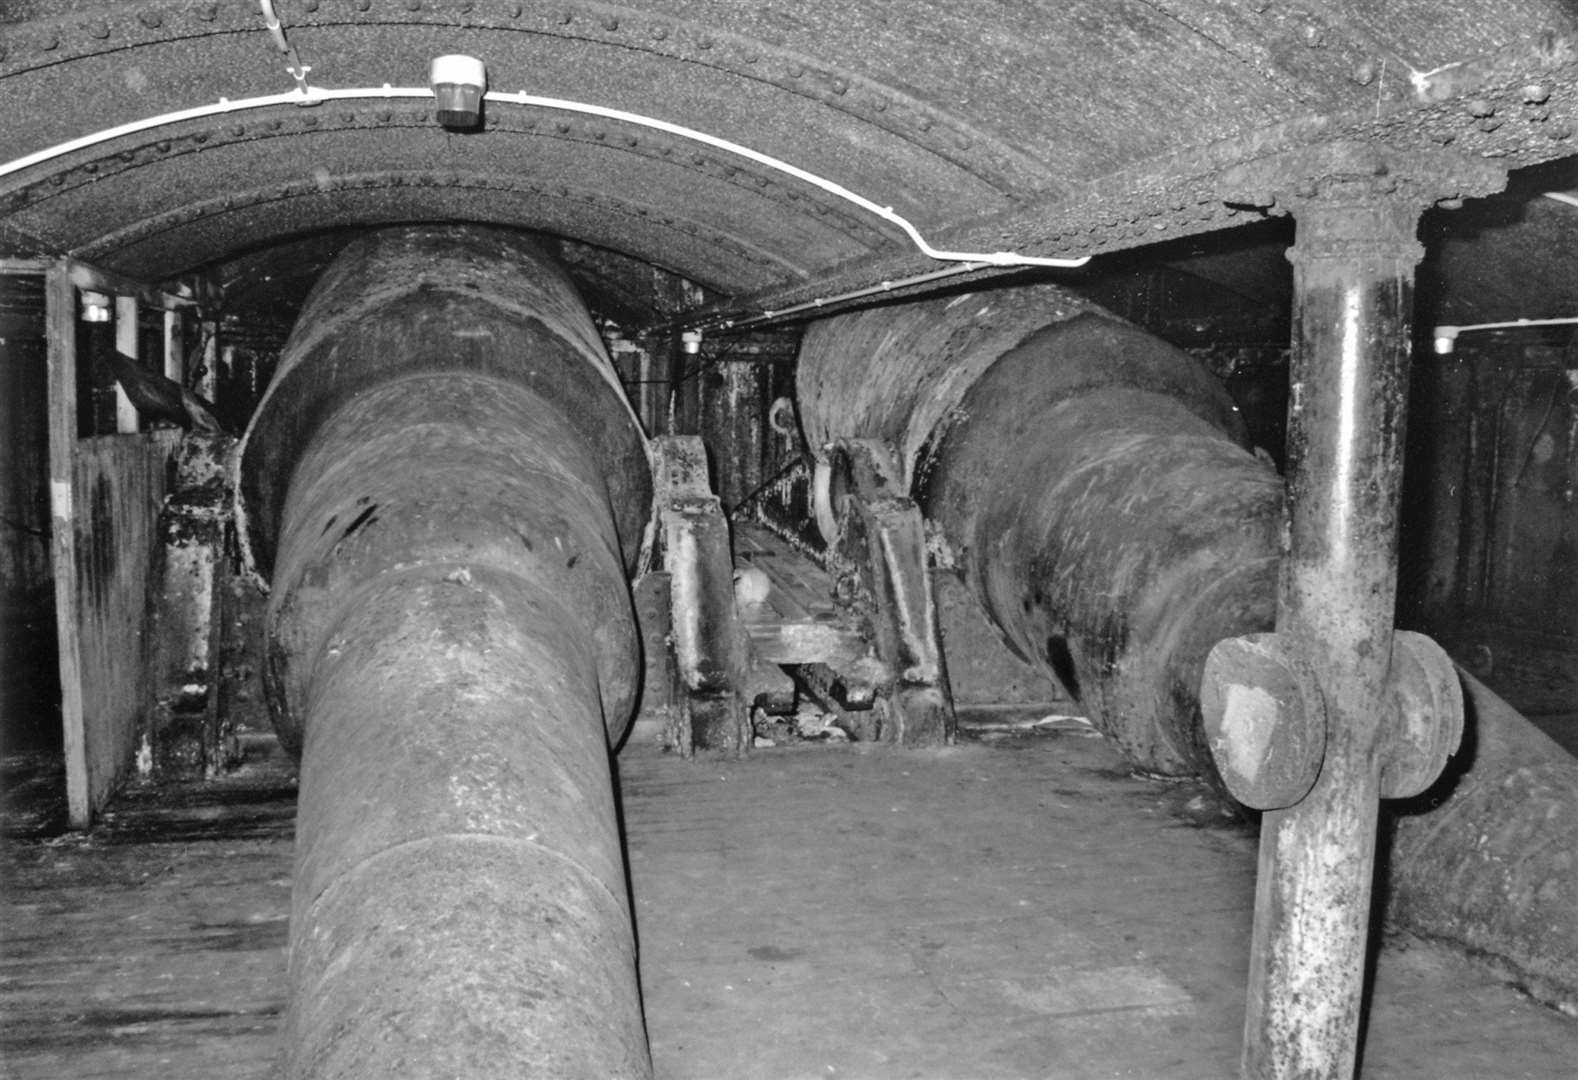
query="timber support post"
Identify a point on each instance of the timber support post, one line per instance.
(1319, 721)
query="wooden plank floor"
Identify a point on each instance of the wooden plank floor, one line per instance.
(154, 946)
(1017, 906)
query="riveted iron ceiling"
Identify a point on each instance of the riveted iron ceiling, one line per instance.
(1072, 127)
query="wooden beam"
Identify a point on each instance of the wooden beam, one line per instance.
(84, 276)
(174, 347)
(19, 266)
(127, 344)
(60, 306)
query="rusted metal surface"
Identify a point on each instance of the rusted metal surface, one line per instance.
(975, 119)
(1485, 857)
(452, 491)
(1132, 531)
(1353, 280)
(188, 731)
(880, 554)
(1265, 719)
(1021, 401)
(709, 641)
(894, 378)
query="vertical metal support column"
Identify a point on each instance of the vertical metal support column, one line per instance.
(1353, 265)
(1353, 296)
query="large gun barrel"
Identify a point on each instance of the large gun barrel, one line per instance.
(449, 492)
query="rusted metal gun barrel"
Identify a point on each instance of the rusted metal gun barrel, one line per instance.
(1092, 485)
(450, 492)
(1091, 481)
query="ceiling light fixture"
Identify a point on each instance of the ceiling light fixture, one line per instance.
(459, 83)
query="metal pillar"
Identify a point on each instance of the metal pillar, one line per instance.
(1379, 717)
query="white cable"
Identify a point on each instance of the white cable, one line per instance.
(1446, 335)
(313, 95)
(997, 258)
(293, 64)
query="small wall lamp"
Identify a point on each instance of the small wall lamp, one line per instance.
(95, 307)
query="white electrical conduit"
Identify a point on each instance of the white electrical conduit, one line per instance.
(293, 64)
(317, 95)
(1446, 335)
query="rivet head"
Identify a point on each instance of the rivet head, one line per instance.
(1536, 94)
(98, 28)
(151, 18)
(309, 5)
(207, 12)
(1480, 107)
(610, 23)
(1364, 72)
(659, 33)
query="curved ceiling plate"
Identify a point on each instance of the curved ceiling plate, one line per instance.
(1070, 128)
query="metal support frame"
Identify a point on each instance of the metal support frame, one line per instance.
(1361, 714)
(710, 644)
(882, 537)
